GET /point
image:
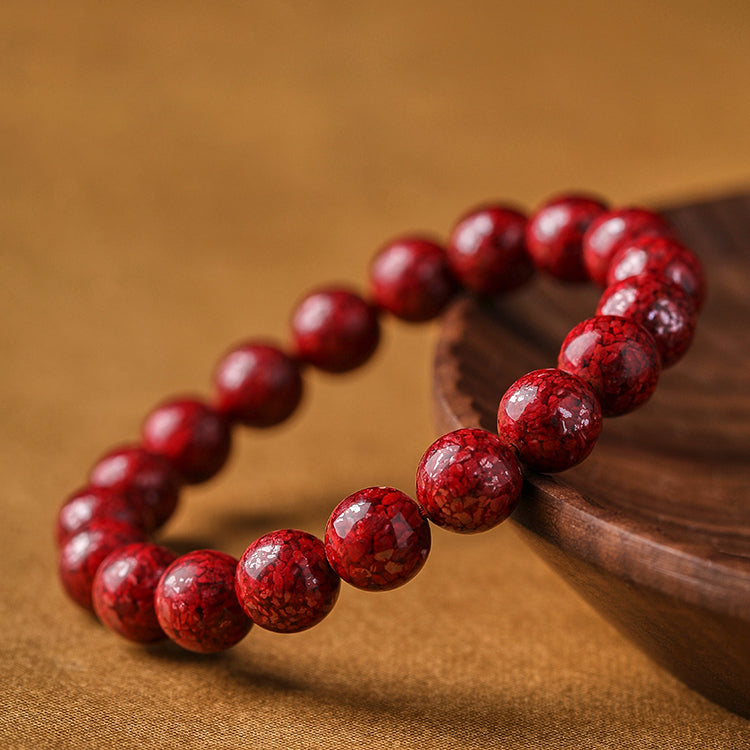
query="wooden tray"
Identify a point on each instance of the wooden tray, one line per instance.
(654, 528)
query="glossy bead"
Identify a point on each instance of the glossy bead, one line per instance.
(551, 418)
(616, 357)
(83, 552)
(257, 385)
(123, 590)
(335, 330)
(609, 229)
(377, 539)
(468, 481)
(196, 605)
(410, 278)
(555, 232)
(191, 434)
(90, 503)
(284, 582)
(487, 250)
(662, 257)
(148, 479)
(661, 307)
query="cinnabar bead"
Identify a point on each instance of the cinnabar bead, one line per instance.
(410, 278)
(335, 330)
(81, 555)
(284, 582)
(551, 418)
(90, 503)
(196, 605)
(192, 435)
(661, 307)
(147, 479)
(257, 385)
(377, 539)
(468, 481)
(123, 590)
(663, 257)
(487, 250)
(608, 230)
(554, 235)
(616, 357)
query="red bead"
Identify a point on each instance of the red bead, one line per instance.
(377, 539)
(148, 480)
(487, 250)
(468, 481)
(257, 385)
(410, 278)
(90, 503)
(335, 330)
(284, 582)
(196, 605)
(551, 418)
(609, 229)
(555, 232)
(616, 357)
(82, 554)
(662, 257)
(661, 307)
(123, 590)
(192, 435)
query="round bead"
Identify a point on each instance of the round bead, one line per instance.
(661, 307)
(335, 330)
(90, 503)
(551, 418)
(196, 605)
(82, 554)
(410, 278)
(468, 481)
(487, 250)
(377, 539)
(284, 582)
(147, 479)
(257, 385)
(616, 357)
(662, 257)
(192, 435)
(123, 590)
(609, 229)
(555, 232)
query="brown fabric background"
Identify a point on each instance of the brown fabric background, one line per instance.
(172, 176)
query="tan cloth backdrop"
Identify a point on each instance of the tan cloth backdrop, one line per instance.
(172, 176)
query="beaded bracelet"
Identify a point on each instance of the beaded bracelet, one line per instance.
(467, 481)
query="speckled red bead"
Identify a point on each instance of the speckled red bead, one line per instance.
(663, 257)
(377, 539)
(284, 582)
(468, 481)
(191, 434)
(554, 235)
(335, 330)
(410, 278)
(90, 503)
(616, 357)
(196, 605)
(149, 480)
(257, 385)
(123, 590)
(661, 307)
(608, 230)
(551, 418)
(487, 250)
(81, 555)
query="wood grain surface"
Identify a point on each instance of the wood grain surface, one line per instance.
(654, 528)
